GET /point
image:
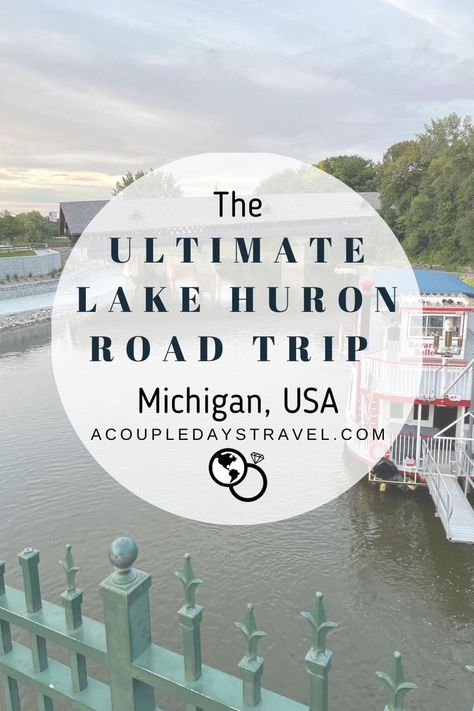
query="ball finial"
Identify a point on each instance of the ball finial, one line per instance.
(123, 553)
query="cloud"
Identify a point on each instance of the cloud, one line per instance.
(90, 90)
(427, 12)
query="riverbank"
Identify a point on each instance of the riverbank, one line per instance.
(25, 304)
(26, 318)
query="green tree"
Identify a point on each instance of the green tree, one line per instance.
(427, 188)
(26, 227)
(399, 179)
(8, 229)
(464, 229)
(127, 180)
(439, 219)
(357, 172)
(302, 180)
(441, 133)
(32, 226)
(156, 184)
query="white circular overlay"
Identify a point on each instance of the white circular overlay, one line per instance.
(232, 334)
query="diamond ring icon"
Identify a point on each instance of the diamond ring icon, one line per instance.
(228, 467)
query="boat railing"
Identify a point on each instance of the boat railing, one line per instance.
(456, 452)
(444, 450)
(430, 382)
(403, 450)
(437, 485)
(466, 469)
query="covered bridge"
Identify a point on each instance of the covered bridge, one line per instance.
(75, 216)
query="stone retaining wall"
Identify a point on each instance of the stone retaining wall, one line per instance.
(30, 288)
(44, 262)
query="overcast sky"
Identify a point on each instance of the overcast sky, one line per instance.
(92, 88)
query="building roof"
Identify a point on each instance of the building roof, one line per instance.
(434, 282)
(77, 215)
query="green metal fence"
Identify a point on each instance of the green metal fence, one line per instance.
(136, 666)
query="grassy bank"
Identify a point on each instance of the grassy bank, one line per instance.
(19, 253)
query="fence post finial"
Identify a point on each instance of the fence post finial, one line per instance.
(189, 582)
(190, 619)
(72, 597)
(70, 569)
(251, 665)
(123, 553)
(318, 659)
(319, 623)
(250, 632)
(397, 686)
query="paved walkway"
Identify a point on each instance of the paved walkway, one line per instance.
(8, 307)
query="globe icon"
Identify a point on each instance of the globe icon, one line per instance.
(228, 467)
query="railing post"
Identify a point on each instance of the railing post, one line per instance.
(5, 632)
(318, 659)
(29, 561)
(126, 605)
(12, 694)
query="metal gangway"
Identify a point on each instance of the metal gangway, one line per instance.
(448, 469)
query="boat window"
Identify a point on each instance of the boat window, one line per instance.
(433, 324)
(425, 412)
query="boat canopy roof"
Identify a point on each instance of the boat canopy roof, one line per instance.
(429, 281)
(433, 282)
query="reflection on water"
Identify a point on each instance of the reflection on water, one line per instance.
(391, 579)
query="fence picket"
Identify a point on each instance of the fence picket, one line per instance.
(190, 619)
(251, 665)
(318, 659)
(71, 599)
(29, 562)
(12, 694)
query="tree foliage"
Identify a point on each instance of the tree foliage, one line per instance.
(302, 180)
(427, 192)
(357, 172)
(127, 180)
(26, 227)
(156, 184)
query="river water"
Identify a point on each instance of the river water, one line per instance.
(390, 579)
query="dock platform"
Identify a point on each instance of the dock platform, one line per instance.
(452, 507)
